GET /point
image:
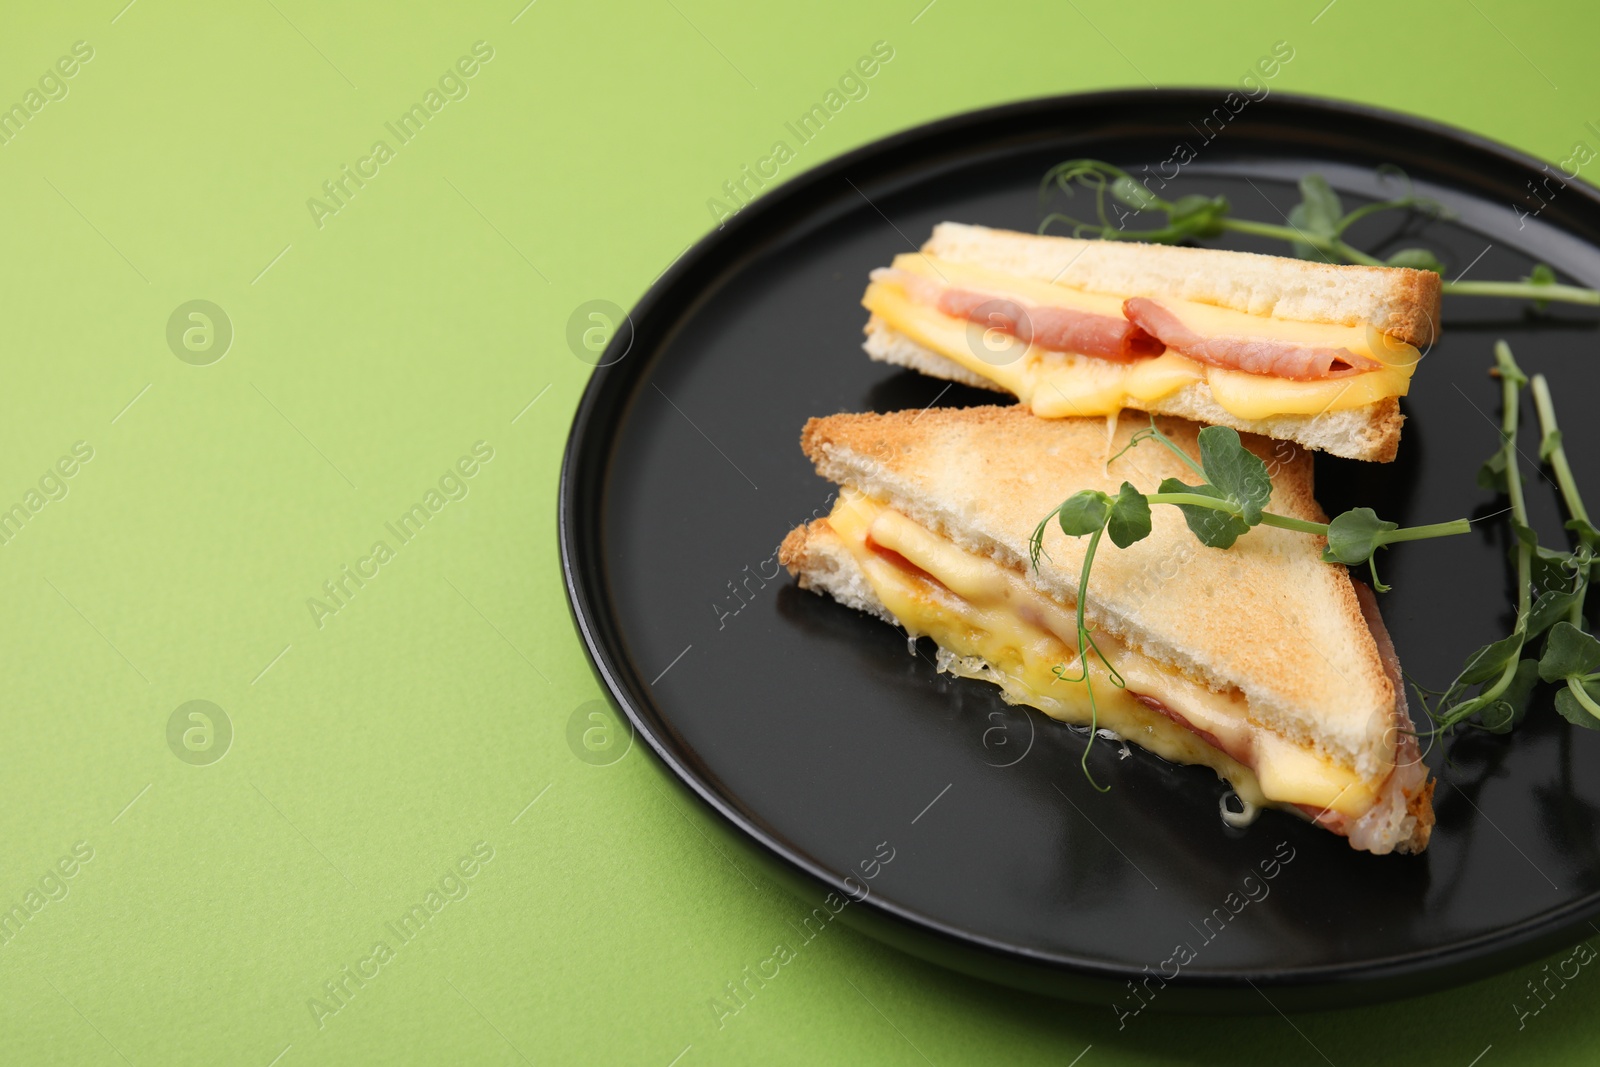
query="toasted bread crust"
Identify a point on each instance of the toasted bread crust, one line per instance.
(1401, 302)
(1267, 617)
(793, 549)
(1420, 807)
(1370, 433)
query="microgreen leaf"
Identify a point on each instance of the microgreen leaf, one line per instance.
(1541, 275)
(1317, 215)
(1198, 216)
(1518, 696)
(1299, 247)
(1084, 513)
(1416, 259)
(1236, 471)
(1215, 529)
(1135, 194)
(1550, 569)
(1587, 534)
(1508, 369)
(1569, 652)
(1492, 475)
(1552, 606)
(1321, 208)
(1498, 718)
(1570, 708)
(1490, 661)
(1507, 713)
(1129, 520)
(1355, 535)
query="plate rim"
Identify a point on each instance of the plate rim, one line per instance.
(1463, 960)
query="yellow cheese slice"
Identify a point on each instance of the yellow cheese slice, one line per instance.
(978, 610)
(1056, 385)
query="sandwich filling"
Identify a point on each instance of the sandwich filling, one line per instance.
(991, 624)
(1066, 351)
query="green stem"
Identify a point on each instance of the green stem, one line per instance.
(1192, 498)
(1265, 229)
(1171, 446)
(1581, 695)
(1355, 255)
(1459, 713)
(1569, 294)
(1083, 585)
(1550, 429)
(1511, 380)
(1283, 522)
(1524, 583)
(1418, 533)
(1374, 208)
(1335, 248)
(1558, 455)
(1083, 656)
(1332, 247)
(1494, 692)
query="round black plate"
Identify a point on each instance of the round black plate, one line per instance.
(812, 734)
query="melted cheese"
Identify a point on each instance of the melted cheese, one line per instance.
(1057, 385)
(999, 629)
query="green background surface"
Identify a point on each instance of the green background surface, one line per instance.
(372, 752)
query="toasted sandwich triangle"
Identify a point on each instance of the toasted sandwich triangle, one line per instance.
(1266, 617)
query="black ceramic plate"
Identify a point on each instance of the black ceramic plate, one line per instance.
(811, 734)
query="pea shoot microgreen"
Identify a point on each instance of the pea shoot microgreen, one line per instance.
(1229, 500)
(1495, 687)
(1314, 228)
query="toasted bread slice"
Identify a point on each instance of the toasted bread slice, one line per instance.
(1263, 644)
(1397, 300)
(1345, 418)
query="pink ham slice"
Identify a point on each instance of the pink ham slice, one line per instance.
(1055, 328)
(1279, 359)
